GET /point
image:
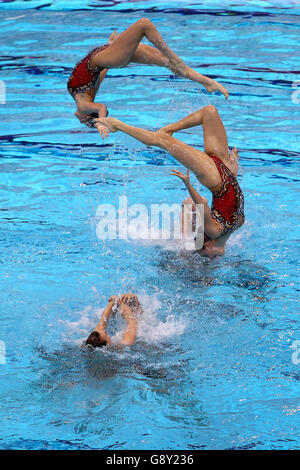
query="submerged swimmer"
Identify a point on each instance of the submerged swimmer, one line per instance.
(130, 307)
(120, 50)
(215, 168)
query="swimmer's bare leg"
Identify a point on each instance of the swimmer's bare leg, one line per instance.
(124, 46)
(215, 138)
(145, 54)
(193, 159)
(149, 55)
(192, 120)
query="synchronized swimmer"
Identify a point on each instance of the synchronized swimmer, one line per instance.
(215, 168)
(120, 50)
(130, 309)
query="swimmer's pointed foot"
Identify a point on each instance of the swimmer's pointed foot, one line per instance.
(216, 86)
(110, 123)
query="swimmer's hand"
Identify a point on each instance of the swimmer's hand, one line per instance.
(196, 197)
(103, 130)
(125, 298)
(234, 155)
(131, 300)
(112, 37)
(111, 123)
(184, 178)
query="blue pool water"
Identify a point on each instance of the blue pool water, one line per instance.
(212, 367)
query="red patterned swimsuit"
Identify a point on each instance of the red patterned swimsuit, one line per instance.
(227, 203)
(84, 75)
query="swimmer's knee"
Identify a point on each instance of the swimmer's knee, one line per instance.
(210, 110)
(160, 139)
(166, 140)
(144, 23)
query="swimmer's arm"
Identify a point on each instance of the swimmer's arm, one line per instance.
(88, 107)
(212, 228)
(129, 335)
(197, 198)
(101, 77)
(101, 327)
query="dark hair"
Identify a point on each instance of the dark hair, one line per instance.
(90, 122)
(95, 115)
(95, 340)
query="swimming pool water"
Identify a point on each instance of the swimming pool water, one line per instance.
(212, 367)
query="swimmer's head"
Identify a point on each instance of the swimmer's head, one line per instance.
(96, 340)
(95, 115)
(209, 250)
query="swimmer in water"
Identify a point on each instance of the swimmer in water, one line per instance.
(130, 306)
(120, 50)
(215, 168)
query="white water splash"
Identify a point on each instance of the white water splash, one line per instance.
(151, 328)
